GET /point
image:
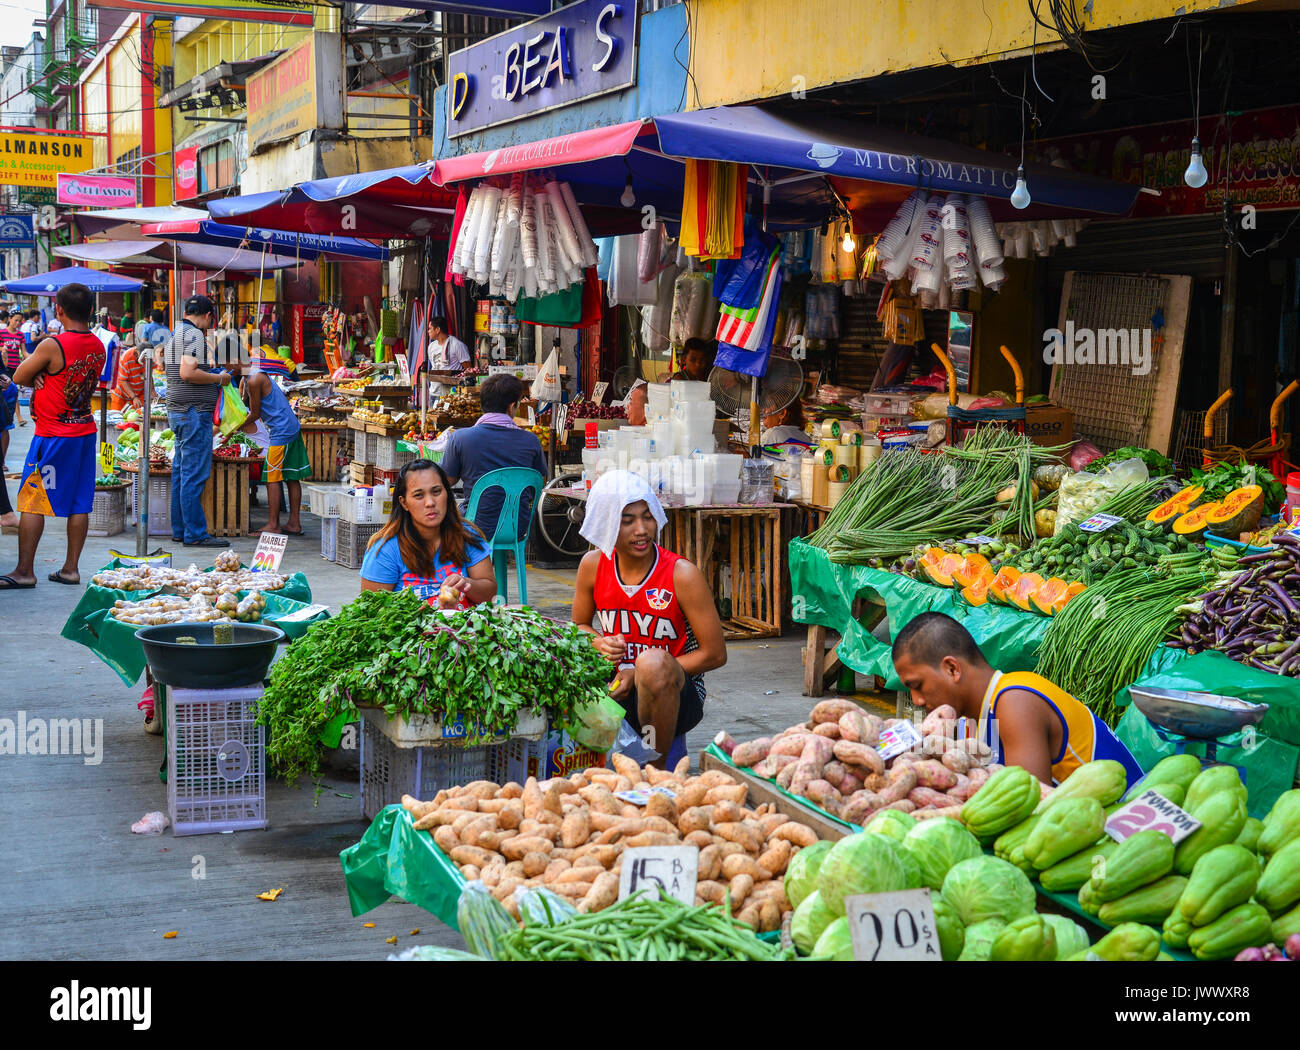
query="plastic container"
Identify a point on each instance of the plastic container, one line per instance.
(680, 390)
(323, 502)
(757, 481)
(694, 413)
(108, 512)
(329, 538)
(216, 759)
(726, 492)
(352, 543)
(359, 507)
(203, 664)
(1291, 511)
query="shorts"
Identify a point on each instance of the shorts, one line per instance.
(59, 476)
(690, 706)
(7, 406)
(287, 462)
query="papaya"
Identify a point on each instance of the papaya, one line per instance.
(1069, 875)
(1179, 769)
(1176, 930)
(1279, 886)
(1103, 779)
(1063, 830)
(1282, 825)
(1046, 597)
(1029, 938)
(940, 572)
(1245, 926)
(1179, 503)
(973, 567)
(1019, 595)
(1139, 859)
(1239, 511)
(1222, 817)
(1192, 524)
(1007, 797)
(1002, 582)
(1223, 878)
(1150, 904)
(1128, 942)
(1211, 781)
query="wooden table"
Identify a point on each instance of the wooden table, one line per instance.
(226, 495)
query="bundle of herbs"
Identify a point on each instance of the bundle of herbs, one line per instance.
(484, 667)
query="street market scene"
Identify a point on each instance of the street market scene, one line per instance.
(652, 482)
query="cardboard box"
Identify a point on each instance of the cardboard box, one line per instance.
(558, 755)
(1049, 424)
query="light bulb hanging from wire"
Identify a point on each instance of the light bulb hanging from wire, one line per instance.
(1020, 198)
(848, 244)
(628, 199)
(1195, 176)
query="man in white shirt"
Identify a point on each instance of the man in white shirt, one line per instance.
(447, 354)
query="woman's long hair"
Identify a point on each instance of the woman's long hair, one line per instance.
(452, 533)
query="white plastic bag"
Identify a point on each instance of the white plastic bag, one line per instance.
(1081, 494)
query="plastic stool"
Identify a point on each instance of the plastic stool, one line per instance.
(513, 482)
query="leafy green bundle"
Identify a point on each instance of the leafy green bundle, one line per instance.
(1227, 477)
(485, 667)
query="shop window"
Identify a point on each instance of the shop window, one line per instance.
(216, 166)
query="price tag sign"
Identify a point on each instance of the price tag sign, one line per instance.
(561, 418)
(598, 393)
(270, 549)
(105, 458)
(979, 541)
(1100, 522)
(532, 416)
(403, 367)
(893, 927)
(900, 737)
(640, 798)
(652, 870)
(1151, 811)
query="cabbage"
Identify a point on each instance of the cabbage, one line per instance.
(988, 888)
(1071, 938)
(952, 934)
(860, 863)
(808, 921)
(937, 846)
(979, 940)
(911, 869)
(892, 822)
(801, 875)
(835, 942)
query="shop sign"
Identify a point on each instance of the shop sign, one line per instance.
(1262, 164)
(96, 191)
(302, 90)
(31, 158)
(17, 231)
(37, 195)
(585, 49)
(187, 172)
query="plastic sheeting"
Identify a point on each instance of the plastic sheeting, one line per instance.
(655, 319)
(625, 287)
(695, 311)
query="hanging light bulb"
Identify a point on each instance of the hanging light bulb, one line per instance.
(1195, 175)
(848, 243)
(629, 198)
(1020, 195)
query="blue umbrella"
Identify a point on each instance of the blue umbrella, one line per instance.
(49, 283)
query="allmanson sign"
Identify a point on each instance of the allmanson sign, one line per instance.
(35, 159)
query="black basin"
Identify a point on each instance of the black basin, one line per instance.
(205, 665)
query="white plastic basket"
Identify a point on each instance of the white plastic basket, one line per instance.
(216, 760)
(329, 538)
(428, 731)
(324, 502)
(359, 508)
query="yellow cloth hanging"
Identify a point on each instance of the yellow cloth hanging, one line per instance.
(713, 209)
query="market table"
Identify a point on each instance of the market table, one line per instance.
(228, 494)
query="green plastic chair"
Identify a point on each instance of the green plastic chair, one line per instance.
(514, 482)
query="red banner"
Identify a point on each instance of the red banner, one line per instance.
(1261, 166)
(187, 173)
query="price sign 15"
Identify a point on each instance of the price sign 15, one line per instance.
(889, 927)
(1151, 811)
(654, 870)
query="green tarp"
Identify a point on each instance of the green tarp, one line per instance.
(394, 860)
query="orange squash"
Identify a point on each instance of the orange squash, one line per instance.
(933, 555)
(1192, 524)
(1071, 592)
(942, 571)
(1048, 594)
(1179, 503)
(972, 568)
(1239, 511)
(1023, 590)
(977, 593)
(1002, 583)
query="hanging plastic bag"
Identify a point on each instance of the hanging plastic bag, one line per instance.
(595, 724)
(1081, 494)
(230, 412)
(546, 387)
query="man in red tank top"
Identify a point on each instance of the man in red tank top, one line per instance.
(650, 612)
(59, 475)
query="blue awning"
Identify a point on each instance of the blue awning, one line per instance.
(299, 245)
(50, 282)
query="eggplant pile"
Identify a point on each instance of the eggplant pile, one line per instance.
(1254, 617)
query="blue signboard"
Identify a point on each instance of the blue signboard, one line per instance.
(17, 231)
(587, 48)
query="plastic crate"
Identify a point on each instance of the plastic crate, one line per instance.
(323, 502)
(427, 731)
(352, 542)
(329, 538)
(388, 772)
(216, 760)
(160, 503)
(108, 512)
(359, 508)
(387, 456)
(363, 447)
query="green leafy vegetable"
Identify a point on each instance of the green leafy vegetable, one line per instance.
(1226, 477)
(1155, 461)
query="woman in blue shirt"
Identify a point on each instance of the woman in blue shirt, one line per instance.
(427, 546)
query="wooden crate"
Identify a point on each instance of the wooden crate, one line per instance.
(741, 554)
(226, 496)
(324, 447)
(361, 473)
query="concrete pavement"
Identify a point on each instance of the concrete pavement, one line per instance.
(79, 885)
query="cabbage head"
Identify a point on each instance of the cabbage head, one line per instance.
(808, 922)
(952, 934)
(1071, 938)
(939, 845)
(835, 942)
(860, 863)
(801, 875)
(988, 888)
(892, 822)
(980, 936)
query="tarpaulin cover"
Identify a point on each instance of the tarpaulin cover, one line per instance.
(392, 859)
(115, 643)
(49, 283)
(158, 254)
(823, 593)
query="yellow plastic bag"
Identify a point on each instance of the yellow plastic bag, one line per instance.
(231, 413)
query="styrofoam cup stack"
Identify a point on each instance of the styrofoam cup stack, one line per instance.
(988, 248)
(688, 390)
(927, 252)
(897, 232)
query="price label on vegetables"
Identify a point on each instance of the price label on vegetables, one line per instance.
(900, 737)
(598, 393)
(893, 927)
(654, 870)
(105, 458)
(1100, 522)
(1151, 811)
(270, 549)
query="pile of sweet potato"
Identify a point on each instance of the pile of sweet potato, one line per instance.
(832, 760)
(570, 834)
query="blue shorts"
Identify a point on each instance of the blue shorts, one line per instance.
(59, 476)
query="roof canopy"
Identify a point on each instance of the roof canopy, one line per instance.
(49, 283)
(158, 254)
(302, 245)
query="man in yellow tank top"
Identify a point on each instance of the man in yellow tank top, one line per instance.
(1026, 719)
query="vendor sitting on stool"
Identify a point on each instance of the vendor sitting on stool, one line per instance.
(650, 612)
(1024, 718)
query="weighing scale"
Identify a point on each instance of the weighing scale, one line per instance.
(1195, 718)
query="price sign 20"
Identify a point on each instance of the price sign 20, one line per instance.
(893, 926)
(1151, 811)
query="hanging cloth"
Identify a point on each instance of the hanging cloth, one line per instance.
(713, 209)
(462, 202)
